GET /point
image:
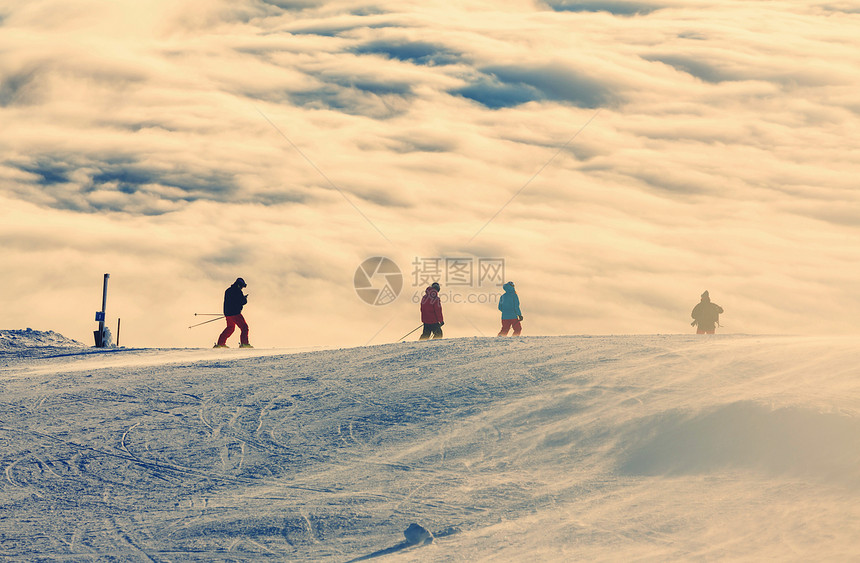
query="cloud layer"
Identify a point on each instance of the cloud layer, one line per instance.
(180, 145)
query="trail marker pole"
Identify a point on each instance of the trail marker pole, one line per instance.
(100, 316)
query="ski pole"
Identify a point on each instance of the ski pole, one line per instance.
(410, 332)
(209, 321)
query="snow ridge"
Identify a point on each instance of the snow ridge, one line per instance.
(14, 340)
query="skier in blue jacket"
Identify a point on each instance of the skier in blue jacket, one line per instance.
(509, 305)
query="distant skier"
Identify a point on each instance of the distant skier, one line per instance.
(706, 315)
(509, 305)
(431, 313)
(234, 300)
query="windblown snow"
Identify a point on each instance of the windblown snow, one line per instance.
(26, 342)
(617, 448)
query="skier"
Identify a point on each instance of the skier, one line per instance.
(431, 313)
(509, 305)
(234, 300)
(706, 315)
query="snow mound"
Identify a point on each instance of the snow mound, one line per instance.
(14, 340)
(783, 441)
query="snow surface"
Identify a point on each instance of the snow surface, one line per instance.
(27, 342)
(617, 448)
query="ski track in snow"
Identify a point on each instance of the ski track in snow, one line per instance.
(647, 448)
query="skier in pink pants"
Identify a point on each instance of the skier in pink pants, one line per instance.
(234, 300)
(509, 305)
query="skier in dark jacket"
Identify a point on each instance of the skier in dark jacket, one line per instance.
(509, 305)
(431, 313)
(706, 315)
(234, 300)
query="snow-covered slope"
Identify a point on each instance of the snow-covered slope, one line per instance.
(29, 340)
(541, 448)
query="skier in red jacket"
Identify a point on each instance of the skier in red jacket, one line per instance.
(431, 313)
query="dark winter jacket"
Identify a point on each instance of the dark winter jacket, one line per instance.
(234, 300)
(431, 307)
(707, 314)
(509, 303)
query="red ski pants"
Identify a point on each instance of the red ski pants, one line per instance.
(507, 324)
(232, 322)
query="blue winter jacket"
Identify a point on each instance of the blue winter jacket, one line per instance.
(509, 303)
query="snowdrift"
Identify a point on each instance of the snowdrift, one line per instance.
(792, 441)
(29, 340)
(541, 448)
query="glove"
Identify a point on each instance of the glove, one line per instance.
(520, 317)
(442, 323)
